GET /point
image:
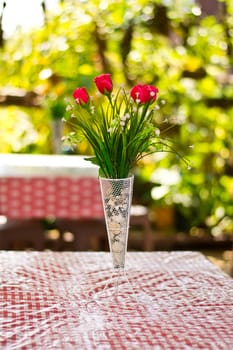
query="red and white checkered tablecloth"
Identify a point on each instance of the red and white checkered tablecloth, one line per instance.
(171, 300)
(41, 197)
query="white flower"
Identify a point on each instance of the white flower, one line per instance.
(68, 108)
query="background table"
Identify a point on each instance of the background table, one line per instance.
(35, 188)
(187, 302)
(38, 188)
(64, 187)
(41, 186)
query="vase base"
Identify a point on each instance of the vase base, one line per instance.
(117, 294)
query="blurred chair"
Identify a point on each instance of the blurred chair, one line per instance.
(140, 217)
(22, 234)
(88, 234)
(91, 234)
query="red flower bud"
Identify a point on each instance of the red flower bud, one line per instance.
(104, 83)
(81, 95)
(144, 93)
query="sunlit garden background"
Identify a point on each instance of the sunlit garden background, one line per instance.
(184, 47)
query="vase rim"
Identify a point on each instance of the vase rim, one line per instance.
(116, 179)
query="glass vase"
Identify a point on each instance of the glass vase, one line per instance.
(117, 198)
(114, 289)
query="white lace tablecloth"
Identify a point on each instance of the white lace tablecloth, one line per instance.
(49, 300)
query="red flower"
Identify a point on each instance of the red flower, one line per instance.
(81, 95)
(104, 83)
(153, 91)
(144, 93)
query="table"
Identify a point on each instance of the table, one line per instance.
(45, 302)
(42, 186)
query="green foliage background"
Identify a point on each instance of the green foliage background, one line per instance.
(161, 42)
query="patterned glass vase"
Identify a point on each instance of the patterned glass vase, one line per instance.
(117, 198)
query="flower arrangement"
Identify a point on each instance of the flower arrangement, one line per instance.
(120, 131)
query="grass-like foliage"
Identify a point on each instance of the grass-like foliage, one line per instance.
(121, 129)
